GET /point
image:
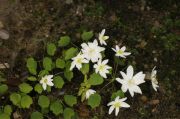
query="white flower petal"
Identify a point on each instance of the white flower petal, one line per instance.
(117, 111)
(125, 77)
(123, 104)
(126, 53)
(44, 86)
(111, 109)
(131, 92)
(123, 48)
(130, 72)
(137, 89)
(124, 88)
(139, 78)
(123, 99)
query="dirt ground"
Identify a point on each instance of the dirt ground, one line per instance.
(149, 28)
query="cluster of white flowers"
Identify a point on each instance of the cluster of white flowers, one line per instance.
(91, 51)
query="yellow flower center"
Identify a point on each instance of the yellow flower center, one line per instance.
(130, 82)
(45, 80)
(101, 67)
(91, 51)
(79, 60)
(117, 104)
(120, 52)
(104, 38)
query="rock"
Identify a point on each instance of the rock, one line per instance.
(69, 1)
(4, 65)
(4, 34)
(144, 98)
(1, 25)
(154, 102)
(16, 115)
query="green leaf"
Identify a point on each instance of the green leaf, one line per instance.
(51, 49)
(94, 100)
(43, 101)
(15, 98)
(58, 82)
(8, 109)
(68, 65)
(119, 93)
(95, 79)
(43, 73)
(32, 65)
(64, 41)
(36, 115)
(87, 35)
(32, 78)
(47, 63)
(38, 88)
(85, 68)
(3, 88)
(70, 53)
(60, 63)
(4, 116)
(26, 101)
(68, 113)
(68, 75)
(25, 88)
(70, 100)
(56, 107)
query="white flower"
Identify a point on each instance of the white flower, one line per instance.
(102, 37)
(154, 79)
(89, 92)
(102, 68)
(116, 104)
(130, 82)
(120, 52)
(92, 51)
(46, 80)
(77, 61)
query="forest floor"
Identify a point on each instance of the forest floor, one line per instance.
(149, 28)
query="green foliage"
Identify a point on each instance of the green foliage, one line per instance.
(38, 88)
(87, 35)
(8, 109)
(3, 88)
(68, 113)
(51, 49)
(43, 73)
(56, 107)
(70, 100)
(36, 115)
(95, 79)
(58, 81)
(43, 101)
(25, 88)
(68, 75)
(32, 78)
(85, 68)
(15, 98)
(70, 53)
(4, 116)
(60, 63)
(32, 65)
(119, 93)
(64, 41)
(47, 63)
(94, 100)
(26, 101)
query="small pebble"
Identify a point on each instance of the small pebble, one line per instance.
(1, 25)
(144, 98)
(4, 34)
(154, 102)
